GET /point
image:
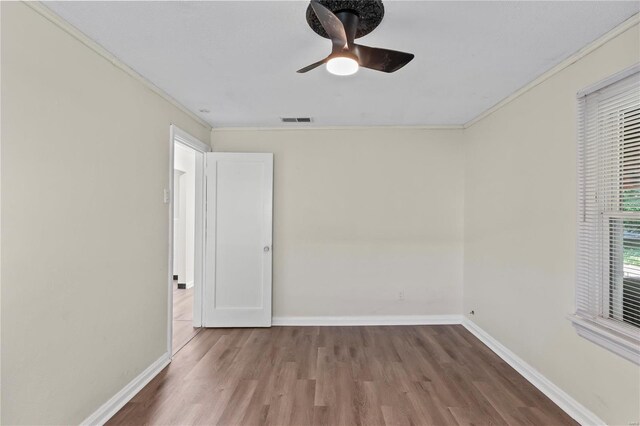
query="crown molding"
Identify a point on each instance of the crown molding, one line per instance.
(48, 14)
(629, 23)
(303, 127)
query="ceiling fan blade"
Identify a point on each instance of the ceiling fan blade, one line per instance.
(312, 66)
(331, 24)
(382, 59)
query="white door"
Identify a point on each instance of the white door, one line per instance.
(237, 290)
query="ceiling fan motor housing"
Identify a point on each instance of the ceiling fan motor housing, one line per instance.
(369, 12)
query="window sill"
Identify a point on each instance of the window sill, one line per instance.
(626, 346)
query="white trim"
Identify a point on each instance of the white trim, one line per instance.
(609, 80)
(170, 243)
(113, 405)
(629, 23)
(199, 240)
(51, 16)
(369, 320)
(563, 400)
(305, 127)
(625, 346)
(189, 140)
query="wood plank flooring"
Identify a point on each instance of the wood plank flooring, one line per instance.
(183, 329)
(399, 375)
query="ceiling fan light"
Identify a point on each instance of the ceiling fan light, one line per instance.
(342, 65)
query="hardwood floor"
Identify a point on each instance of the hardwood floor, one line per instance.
(183, 329)
(401, 375)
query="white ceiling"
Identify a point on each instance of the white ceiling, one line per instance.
(238, 59)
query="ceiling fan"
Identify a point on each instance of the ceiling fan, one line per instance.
(343, 21)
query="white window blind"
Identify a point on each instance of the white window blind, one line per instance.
(608, 263)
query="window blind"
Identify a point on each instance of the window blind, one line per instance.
(608, 264)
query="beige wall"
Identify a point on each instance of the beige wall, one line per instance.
(85, 159)
(360, 215)
(520, 235)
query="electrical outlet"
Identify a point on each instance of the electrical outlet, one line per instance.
(401, 295)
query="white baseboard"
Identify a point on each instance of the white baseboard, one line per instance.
(111, 407)
(572, 407)
(369, 320)
(190, 284)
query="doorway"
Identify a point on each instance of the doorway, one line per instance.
(187, 238)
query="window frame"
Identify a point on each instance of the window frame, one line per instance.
(614, 335)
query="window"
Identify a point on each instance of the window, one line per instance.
(608, 263)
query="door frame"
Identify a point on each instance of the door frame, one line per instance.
(177, 135)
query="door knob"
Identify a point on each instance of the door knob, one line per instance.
(266, 249)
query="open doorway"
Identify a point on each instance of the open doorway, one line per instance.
(187, 238)
(184, 186)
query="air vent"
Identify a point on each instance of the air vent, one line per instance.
(296, 119)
